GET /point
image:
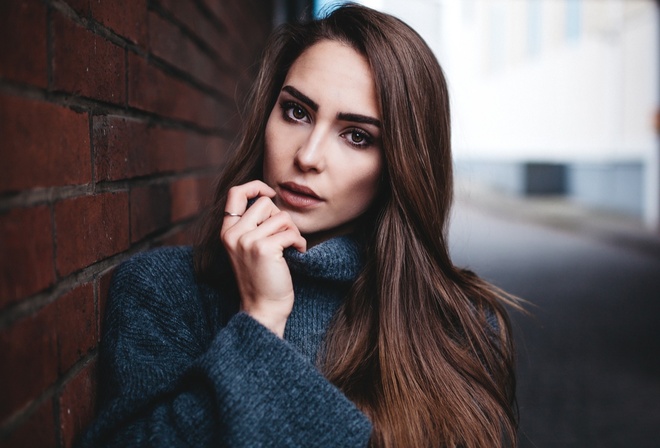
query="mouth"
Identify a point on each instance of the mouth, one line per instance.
(298, 196)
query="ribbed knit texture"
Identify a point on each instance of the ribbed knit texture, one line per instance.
(179, 368)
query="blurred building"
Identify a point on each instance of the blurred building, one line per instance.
(551, 96)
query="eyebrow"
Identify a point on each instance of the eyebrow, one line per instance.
(344, 116)
(301, 97)
(359, 119)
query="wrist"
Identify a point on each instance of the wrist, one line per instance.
(272, 320)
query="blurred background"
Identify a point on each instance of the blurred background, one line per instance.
(116, 116)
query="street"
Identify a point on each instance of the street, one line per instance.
(589, 351)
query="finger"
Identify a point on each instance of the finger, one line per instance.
(237, 200)
(238, 196)
(259, 212)
(280, 222)
(289, 238)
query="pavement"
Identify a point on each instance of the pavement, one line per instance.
(563, 214)
(589, 349)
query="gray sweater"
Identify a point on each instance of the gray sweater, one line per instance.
(181, 367)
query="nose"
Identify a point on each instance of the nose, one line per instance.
(311, 156)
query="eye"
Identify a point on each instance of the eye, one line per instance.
(358, 137)
(294, 112)
(298, 113)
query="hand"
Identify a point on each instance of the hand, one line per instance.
(255, 243)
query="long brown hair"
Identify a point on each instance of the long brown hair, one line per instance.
(421, 346)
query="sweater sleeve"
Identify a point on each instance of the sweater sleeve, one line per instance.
(164, 382)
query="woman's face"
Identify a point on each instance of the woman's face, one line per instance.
(322, 143)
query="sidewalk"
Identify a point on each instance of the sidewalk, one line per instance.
(564, 214)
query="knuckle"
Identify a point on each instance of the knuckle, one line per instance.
(263, 201)
(243, 242)
(226, 238)
(233, 189)
(261, 250)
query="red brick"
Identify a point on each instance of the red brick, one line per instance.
(183, 237)
(205, 151)
(103, 285)
(89, 229)
(150, 210)
(26, 245)
(166, 148)
(128, 19)
(37, 431)
(23, 42)
(195, 21)
(76, 325)
(237, 33)
(126, 149)
(186, 201)
(118, 142)
(152, 90)
(168, 43)
(86, 64)
(77, 404)
(189, 196)
(28, 351)
(43, 145)
(82, 7)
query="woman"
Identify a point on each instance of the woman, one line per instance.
(320, 307)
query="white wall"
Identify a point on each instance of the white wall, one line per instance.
(593, 98)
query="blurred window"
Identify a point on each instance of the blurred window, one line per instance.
(573, 19)
(534, 27)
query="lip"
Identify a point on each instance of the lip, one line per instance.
(298, 196)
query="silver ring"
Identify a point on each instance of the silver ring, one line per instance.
(233, 214)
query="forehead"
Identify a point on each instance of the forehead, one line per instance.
(333, 72)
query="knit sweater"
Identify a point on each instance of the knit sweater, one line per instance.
(180, 367)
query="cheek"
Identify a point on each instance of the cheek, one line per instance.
(366, 182)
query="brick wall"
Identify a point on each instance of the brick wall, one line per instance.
(114, 118)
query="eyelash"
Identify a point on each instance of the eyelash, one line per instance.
(287, 108)
(287, 115)
(367, 140)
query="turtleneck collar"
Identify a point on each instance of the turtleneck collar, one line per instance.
(336, 259)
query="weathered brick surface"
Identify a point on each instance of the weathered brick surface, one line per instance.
(76, 325)
(77, 404)
(186, 198)
(96, 69)
(185, 55)
(152, 90)
(128, 19)
(37, 431)
(119, 146)
(205, 151)
(26, 245)
(28, 350)
(58, 154)
(89, 229)
(82, 7)
(23, 42)
(114, 118)
(103, 286)
(127, 148)
(188, 14)
(149, 210)
(182, 237)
